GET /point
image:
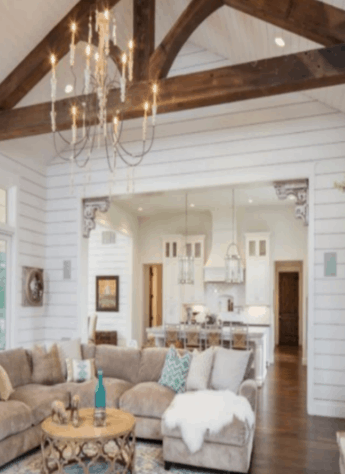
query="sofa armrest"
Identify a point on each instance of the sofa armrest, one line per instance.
(249, 390)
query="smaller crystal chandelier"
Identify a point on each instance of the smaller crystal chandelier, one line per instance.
(186, 259)
(233, 264)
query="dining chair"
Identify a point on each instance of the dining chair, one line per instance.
(150, 341)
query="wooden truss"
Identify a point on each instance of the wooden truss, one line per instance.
(311, 19)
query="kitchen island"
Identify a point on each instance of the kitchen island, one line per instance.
(258, 334)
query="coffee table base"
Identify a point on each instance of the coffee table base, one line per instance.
(119, 453)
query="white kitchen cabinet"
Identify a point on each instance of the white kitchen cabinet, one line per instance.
(174, 294)
(257, 269)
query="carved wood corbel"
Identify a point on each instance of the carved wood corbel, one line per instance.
(90, 207)
(299, 189)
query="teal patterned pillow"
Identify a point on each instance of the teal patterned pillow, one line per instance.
(175, 370)
(80, 370)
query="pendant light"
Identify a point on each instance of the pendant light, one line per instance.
(233, 263)
(186, 259)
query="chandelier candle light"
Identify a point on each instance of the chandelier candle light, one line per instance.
(96, 84)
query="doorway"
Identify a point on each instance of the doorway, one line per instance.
(153, 282)
(289, 303)
(288, 309)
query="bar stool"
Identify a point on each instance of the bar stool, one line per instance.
(171, 336)
(239, 336)
(192, 338)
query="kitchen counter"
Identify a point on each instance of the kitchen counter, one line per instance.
(258, 334)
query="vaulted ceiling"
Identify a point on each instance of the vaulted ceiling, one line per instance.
(231, 34)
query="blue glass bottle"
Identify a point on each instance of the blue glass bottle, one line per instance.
(100, 412)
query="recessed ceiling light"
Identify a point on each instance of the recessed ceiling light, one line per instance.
(292, 197)
(279, 42)
(250, 200)
(192, 205)
(140, 209)
(68, 88)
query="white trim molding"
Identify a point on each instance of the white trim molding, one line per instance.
(299, 189)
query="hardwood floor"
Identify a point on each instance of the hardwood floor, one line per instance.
(288, 441)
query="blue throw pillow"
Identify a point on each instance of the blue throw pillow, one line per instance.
(175, 370)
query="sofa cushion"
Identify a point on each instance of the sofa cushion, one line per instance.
(39, 399)
(229, 369)
(114, 388)
(175, 370)
(70, 349)
(5, 385)
(16, 363)
(151, 364)
(14, 417)
(118, 362)
(148, 399)
(200, 369)
(88, 351)
(236, 434)
(47, 368)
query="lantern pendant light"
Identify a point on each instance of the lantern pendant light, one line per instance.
(233, 264)
(186, 259)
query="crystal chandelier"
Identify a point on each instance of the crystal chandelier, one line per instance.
(97, 82)
(186, 259)
(233, 264)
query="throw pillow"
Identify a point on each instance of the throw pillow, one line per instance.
(80, 370)
(175, 370)
(5, 385)
(46, 366)
(69, 350)
(228, 369)
(200, 370)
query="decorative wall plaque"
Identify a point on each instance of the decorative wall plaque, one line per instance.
(33, 287)
(90, 207)
(299, 189)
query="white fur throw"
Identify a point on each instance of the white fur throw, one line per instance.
(196, 412)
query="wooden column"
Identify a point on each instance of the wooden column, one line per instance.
(144, 37)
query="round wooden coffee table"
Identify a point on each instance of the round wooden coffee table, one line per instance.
(87, 445)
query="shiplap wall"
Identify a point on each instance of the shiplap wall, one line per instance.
(198, 147)
(29, 239)
(111, 259)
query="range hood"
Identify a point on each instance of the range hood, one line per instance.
(222, 236)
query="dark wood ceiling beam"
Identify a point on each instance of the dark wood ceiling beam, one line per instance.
(144, 37)
(314, 20)
(37, 64)
(283, 74)
(192, 17)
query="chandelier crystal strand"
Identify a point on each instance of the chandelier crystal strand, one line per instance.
(72, 45)
(98, 80)
(130, 60)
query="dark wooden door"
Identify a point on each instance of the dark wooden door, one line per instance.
(288, 308)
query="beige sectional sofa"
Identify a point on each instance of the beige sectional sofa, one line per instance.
(131, 382)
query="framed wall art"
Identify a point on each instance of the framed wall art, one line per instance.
(32, 286)
(107, 293)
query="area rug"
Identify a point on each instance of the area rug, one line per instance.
(148, 460)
